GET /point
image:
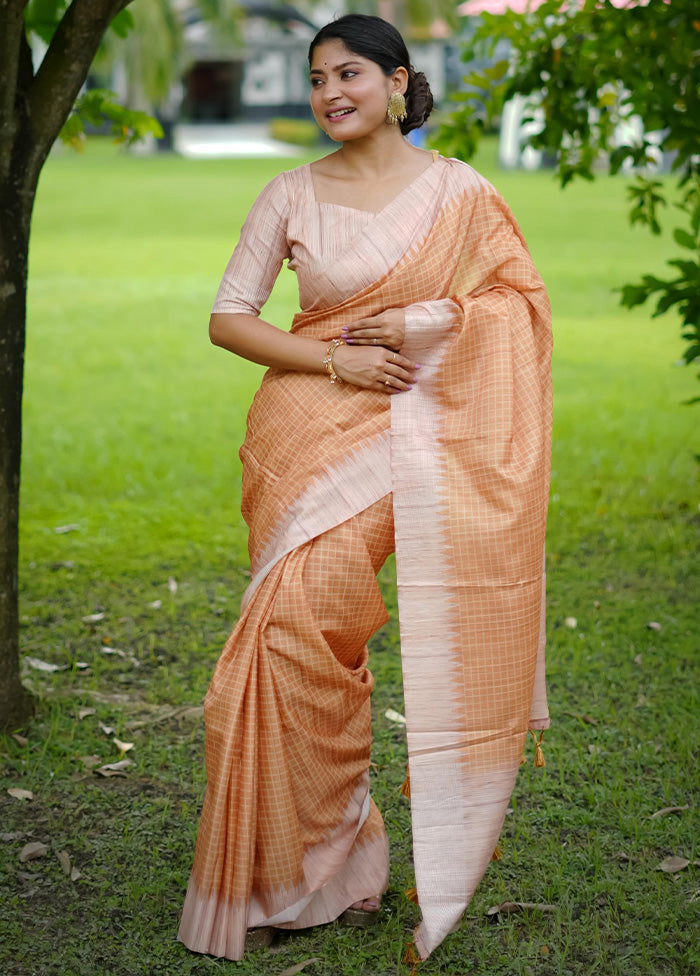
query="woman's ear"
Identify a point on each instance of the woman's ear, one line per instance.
(399, 80)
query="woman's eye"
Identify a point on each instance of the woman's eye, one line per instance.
(348, 74)
(315, 82)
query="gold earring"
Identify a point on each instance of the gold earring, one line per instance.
(396, 109)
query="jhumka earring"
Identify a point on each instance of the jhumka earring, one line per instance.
(396, 109)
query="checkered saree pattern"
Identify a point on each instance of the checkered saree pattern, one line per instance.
(288, 833)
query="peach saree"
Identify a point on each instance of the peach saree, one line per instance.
(454, 474)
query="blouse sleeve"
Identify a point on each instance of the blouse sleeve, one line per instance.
(256, 261)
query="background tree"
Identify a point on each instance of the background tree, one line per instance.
(40, 101)
(612, 84)
(35, 106)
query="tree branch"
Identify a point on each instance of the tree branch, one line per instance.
(11, 34)
(64, 70)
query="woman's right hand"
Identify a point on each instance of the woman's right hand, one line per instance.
(375, 368)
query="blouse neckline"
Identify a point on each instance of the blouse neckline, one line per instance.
(370, 213)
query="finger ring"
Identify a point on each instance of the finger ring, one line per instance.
(393, 358)
(374, 340)
(386, 382)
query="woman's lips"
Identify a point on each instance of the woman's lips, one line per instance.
(339, 113)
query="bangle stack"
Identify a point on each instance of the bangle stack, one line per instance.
(328, 361)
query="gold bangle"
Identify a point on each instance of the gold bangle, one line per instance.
(328, 361)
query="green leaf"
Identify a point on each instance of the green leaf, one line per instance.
(122, 23)
(685, 239)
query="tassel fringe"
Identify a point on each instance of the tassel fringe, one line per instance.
(411, 958)
(497, 854)
(539, 754)
(412, 895)
(406, 785)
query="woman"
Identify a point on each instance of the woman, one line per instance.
(408, 408)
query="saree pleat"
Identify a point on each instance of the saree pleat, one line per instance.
(465, 456)
(289, 835)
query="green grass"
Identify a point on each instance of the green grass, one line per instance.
(132, 427)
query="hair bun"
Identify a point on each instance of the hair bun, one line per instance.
(419, 101)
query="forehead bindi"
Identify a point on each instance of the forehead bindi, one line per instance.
(333, 56)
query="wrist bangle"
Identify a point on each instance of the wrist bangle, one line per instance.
(328, 361)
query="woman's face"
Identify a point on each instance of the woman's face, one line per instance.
(349, 93)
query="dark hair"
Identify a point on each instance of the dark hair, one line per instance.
(379, 41)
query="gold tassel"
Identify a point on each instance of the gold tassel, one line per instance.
(406, 785)
(412, 895)
(411, 958)
(497, 854)
(539, 754)
(523, 760)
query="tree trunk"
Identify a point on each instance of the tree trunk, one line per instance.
(15, 212)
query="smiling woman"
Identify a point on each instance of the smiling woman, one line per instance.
(407, 409)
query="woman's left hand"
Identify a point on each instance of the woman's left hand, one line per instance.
(387, 328)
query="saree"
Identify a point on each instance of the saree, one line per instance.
(454, 475)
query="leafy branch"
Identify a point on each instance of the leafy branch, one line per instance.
(607, 88)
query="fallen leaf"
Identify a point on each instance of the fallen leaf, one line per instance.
(653, 625)
(594, 750)
(20, 739)
(293, 970)
(122, 746)
(641, 700)
(571, 622)
(182, 711)
(515, 907)
(665, 810)
(64, 564)
(20, 794)
(84, 712)
(112, 650)
(587, 719)
(75, 874)
(115, 650)
(32, 850)
(172, 585)
(39, 665)
(7, 837)
(93, 618)
(89, 762)
(61, 529)
(81, 665)
(64, 861)
(638, 660)
(672, 864)
(107, 729)
(115, 768)
(393, 716)
(156, 604)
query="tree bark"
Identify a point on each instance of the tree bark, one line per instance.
(15, 702)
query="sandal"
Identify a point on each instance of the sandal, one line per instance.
(361, 917)
(259, 938)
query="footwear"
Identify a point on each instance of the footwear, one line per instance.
(259, 938)
(361, 917)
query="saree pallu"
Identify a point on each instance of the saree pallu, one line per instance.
(289, 835)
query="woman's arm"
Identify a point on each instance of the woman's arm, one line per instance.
(261, 342)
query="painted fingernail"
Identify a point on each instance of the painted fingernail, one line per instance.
(349, 341)
(417, 365)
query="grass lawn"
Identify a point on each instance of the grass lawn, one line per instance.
(132, 427)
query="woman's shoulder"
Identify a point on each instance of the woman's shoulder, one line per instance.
(462, 176)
